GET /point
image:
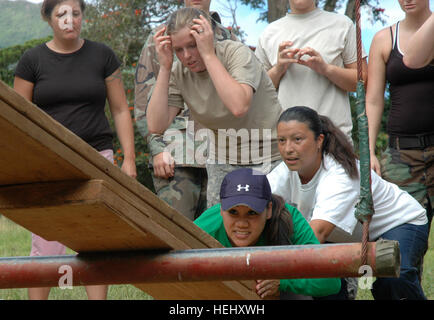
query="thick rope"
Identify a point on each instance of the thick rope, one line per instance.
(359, 42)
(364, 208)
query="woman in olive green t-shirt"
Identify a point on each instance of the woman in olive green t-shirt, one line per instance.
(227, 92)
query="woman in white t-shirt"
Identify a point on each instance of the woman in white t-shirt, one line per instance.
(319, 175)
(313, 48)
(226, 90)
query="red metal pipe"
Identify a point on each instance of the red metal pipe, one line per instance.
(272, 262)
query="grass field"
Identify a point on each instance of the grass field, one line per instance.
(15, 241)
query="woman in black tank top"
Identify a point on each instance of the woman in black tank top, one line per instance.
(411, 93)
(408, 160)
(411, 90)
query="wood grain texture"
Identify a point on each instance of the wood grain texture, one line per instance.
(86, 215)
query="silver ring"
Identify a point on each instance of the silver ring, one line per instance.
(200, 30)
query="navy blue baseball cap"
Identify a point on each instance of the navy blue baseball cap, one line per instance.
(245, 187)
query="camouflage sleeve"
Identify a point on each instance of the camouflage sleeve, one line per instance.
(159, 142)
(156, 144)
(221, 33)
(144, 81)
(233, 37)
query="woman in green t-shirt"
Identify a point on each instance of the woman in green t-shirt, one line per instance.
(250, 215)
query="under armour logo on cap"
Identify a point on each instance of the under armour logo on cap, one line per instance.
(240, 187)
(247, 187)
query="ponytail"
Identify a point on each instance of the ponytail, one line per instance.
(279, 228)
(337, 145)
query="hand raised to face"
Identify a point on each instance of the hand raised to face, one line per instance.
(163, 46)
(204, 36)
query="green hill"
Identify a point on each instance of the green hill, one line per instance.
(20, 21)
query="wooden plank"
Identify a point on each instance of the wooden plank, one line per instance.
(79, 148)
(176, 236)
(42, 129)
(225, 290)
(24, 161)
(66, 157)
(81, 213)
